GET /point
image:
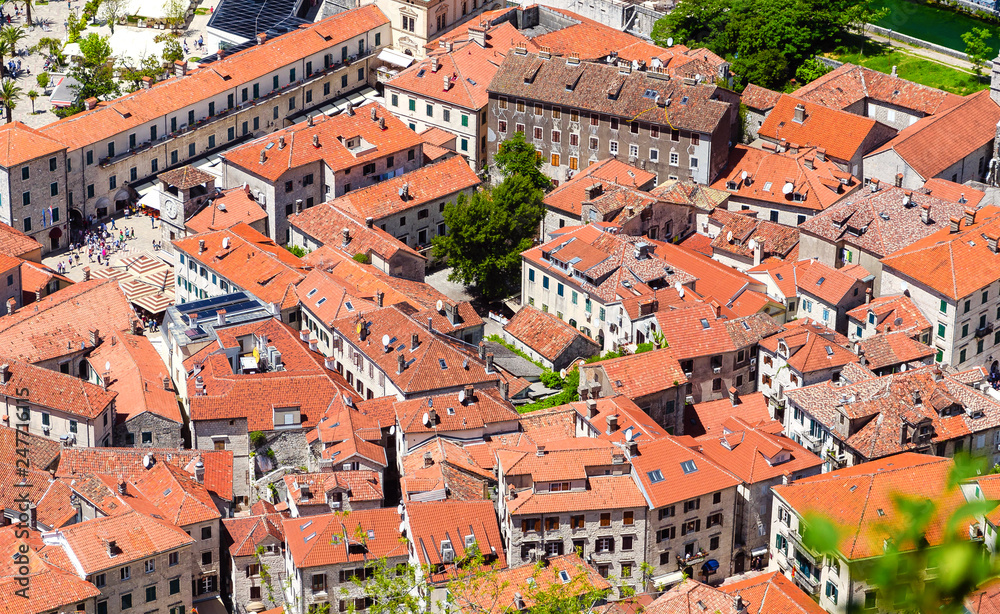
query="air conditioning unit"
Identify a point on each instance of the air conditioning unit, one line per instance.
(689, 399)
(447, 552)
(46, 428)
(717, 370)
(753, 360)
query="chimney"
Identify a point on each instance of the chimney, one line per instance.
(432, 415)
(808, 161)
(381, 123)
(574, 58)
(633, 449)
(738, 604)
(193, 320)
(94, 337)
(446, 85)
(482, 349)
(166, 383)
(540, 451)
(315, 140)
(821, 154)
(758, 251)
(314, 345)
(800, 113)
(414, 341)
(112, 547)
(263, 156)
(90, 103)
(369, 222)
(428, 459)
(518, 602)
(925, 213)
(330, 363)
(899, 180)
(401, 360)
(180, 68)
(11, 305)
(591, 409)
(868, 295)
(281, 141)
(276, 309)
(199, 471)
(379, 298)
(86, 273)
(220, 317)
(298, 205)
(545, 53)
(612, 423)
(374, 113)
(785, 478)
(310, 122)
(304, 336)
(915, 396)
(956, 223)
(489, 363)
(4, 373)
(147, 83)
(504, 389)
(261, 38)
(734, 396)
(970, 217)
(430, 323)
(478, 35)
(893, 73)
(347, 236)
(991, 240)
(470, 394)
(350, 109)
(435, 65)
(201, 246)
(122, 486)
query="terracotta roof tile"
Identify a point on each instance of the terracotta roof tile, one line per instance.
(688, 336)
(773, 239)
(333, 131)
(487, 407)
(773, 593)
(330, 539)
(58, 391)
(137, 377)
(760, 98)
(849, 84)
(546, 334)
(234, 207)
(248, 532)
(811, 346)
(326, 222)
(692, 597)
(897, 348)
(861, 500)
(432, 522)
(842, 134)
(605, 492)
(707, 418)
(891, 313)
(43, 453)
(954, 192)
(755, 455)
(20, 144)
(185, 177)
(136, 537)
(357, 486)
(639, 375)
(182, 499)
(13, 242)
(51, 587)
(666, 456)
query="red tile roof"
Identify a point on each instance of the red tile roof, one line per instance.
(639, 375)
(426, 184)
(590, 39)
(333, 132)
(891, 313)
(773, 239)
(666, 456)
(952, 264)
(447, 412)
(49, 586)
(35, 277)
(432, 522)
(61, 322)
(358, 486)
(693, 597)
(546, 334)
(331, 539)
(251, 261)
(985, 600)
(43, 453)
(861, 500)
(469, 66)
(453, 471)
(137, 373)
(20, 144)
(768, 172)
(58, 391)
(633, 424)
(248, 532)
(755, 455)
(850, 84)
(954, 192)
(568, 195)
(13, 242)
(143, 106)
(773, 593)
(698, 243)
(760, 98)
(695, 331)
(326, 223)
(182, 499)
(810, 346)
(708, 418)
(136, 537)
(932, 144)
(77, 462)
(813, 277)
(234, 207)
(897, 348)
(604, 492)
(842, 134)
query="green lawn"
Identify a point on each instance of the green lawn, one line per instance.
(917, 69)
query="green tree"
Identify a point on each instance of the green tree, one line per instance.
(519, 157)
(175, 12)
(172, 51)
(487, 233)
(858, 16)
(4, 50)
(113, 10)
(9, 95)
(132, 74)
(977, 49)
(810, 70)
(42, 79)
(13, 35)
(32, 96)
(28, 5)
(95, 73)
(767, 68)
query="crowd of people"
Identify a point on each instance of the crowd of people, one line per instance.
(97, 244)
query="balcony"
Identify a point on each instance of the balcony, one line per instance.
(975, 532)
(691, 559)
(982, 331)
(805, 580)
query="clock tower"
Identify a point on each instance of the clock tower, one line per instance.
(184, 192)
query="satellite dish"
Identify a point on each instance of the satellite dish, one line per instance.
(400, 509)
(787, 188)
(461, 396)
(392, 430)
(670, 42)
(752, 244)
(744, 175)
(562, 373)
(729, 236)
(427, 419)
(440, 305)
(107, 366)
(385, 341)
(680, 293)
(402, 527)
(902, 367)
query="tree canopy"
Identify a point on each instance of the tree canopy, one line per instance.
(766, 39)
(516, 156)
(95, 73)
(487, 232)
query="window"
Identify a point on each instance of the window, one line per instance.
(576, 522)
(100, 580)
(175, 586)
(552, 523)
(206, 557)
(52, 164)
(675, 158)
(26, 198)
(654, 155)
(594, 143)
(667, 512)
(604, 544)
(628, 518)
(319, 583)
(940, 330)
(211, 141)
(606, 519)
(714, 519)
(627, 542)
(90, 157)
(149, 565)
(556, 135)
(691, 505)
(502, 126)
(465, 120)
(633, 151)
(555, 159)
(870, 600)
(150, 593)
(694, 162)
(613, 147)
(713, 542)
(206, 532)
(126, 601)
(464, 145)
(831, 591)
(691, 526)
(529, 524)
(173, 558)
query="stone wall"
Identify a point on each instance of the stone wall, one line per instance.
(165, 433)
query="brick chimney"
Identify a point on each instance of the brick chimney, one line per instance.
(86, 273)
(970, 217)
(734, 396)
(95, 337)
(11, 305)
(147, 83)
(489, 363)
(612, 421)
(800, 113)
(379, 298)
(401, 363)
(956, 223)
(414, 341)
(482, 350)
(180, 68)
(261, 38)
(470, 394)
(925, 213)
(90, 103)
(220, 317)
(369, 222)
(477, 35)
(428, 459)
(5, 373)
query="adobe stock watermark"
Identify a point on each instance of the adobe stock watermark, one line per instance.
(22, 500)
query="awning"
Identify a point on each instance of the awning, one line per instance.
(150, 199)
(668, 579)
(759, 551)
(391, 56)
(710, 566)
